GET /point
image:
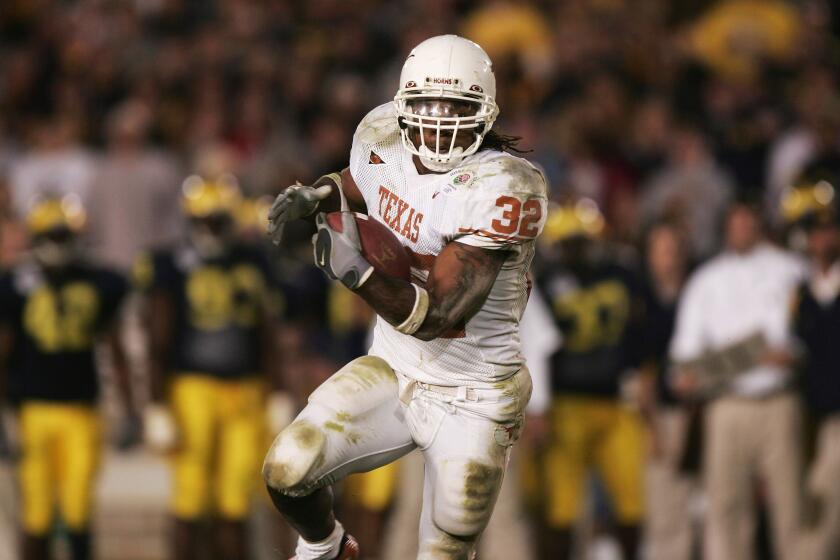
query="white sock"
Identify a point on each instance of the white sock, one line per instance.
(326, 549)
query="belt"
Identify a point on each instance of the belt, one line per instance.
(459, 393)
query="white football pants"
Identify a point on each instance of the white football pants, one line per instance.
(366, 415)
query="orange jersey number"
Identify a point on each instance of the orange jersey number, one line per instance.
(512, 212)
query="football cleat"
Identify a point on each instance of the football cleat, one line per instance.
(349, 549)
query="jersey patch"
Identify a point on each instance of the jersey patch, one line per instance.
(459, 179)
(464, 179)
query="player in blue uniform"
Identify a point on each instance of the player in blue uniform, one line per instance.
(210, 313)
(55, 307)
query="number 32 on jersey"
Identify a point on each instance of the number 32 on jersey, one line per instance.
(518, 218)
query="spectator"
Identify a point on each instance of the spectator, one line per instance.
(732, 339)
(57, 165)
(690, 176)
(670, 489)
(135, 191)
(736, 37)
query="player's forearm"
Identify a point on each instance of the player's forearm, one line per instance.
(122, 373)
(160, 316)
(457, 287)
(272, 364)
(394, 300)
(157, 377)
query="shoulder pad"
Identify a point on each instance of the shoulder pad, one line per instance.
(512, 174)
(379, 125)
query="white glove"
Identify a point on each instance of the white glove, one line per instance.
(339, 255)
(159, 428)
(297, 201)
(279, 411)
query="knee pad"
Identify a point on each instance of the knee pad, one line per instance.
(295, 453)
(464, 497)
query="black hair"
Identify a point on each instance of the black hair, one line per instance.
(502, 142)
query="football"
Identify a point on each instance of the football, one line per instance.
(380, 246)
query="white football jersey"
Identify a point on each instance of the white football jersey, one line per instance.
(492, 200)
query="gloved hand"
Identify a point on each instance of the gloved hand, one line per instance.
(159, 430)
(279, 411)
(297, 201)
(339, 255)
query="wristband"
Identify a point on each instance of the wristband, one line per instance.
(337, 178)
(418, 312)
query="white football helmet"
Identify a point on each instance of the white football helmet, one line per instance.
(447, 67)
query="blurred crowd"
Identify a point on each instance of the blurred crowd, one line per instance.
(668, 131)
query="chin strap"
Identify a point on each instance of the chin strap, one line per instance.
(437, 166)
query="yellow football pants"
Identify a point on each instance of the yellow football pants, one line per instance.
(221, 445)
(61, 447)
(600, 433)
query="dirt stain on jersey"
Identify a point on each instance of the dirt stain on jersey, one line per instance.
(523, 176)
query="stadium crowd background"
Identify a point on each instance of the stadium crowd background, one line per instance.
(653, 109)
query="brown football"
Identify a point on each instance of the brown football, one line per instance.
(380, 246)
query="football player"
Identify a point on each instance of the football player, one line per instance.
(812, 207)
(210, 318)
(55, 307)
(444, 372)
(595, 304)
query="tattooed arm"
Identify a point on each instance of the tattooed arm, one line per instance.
(458, 284)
